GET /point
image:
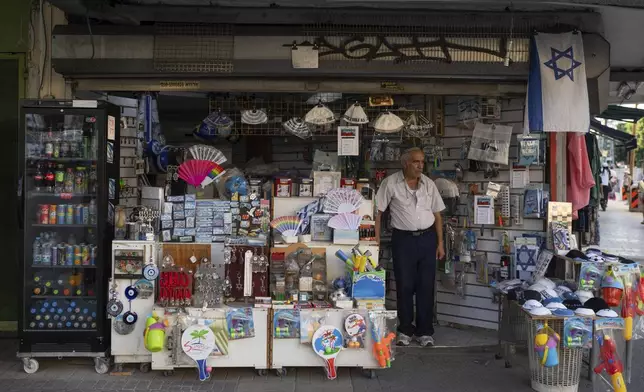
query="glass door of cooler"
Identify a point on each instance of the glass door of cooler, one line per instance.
(61, 221)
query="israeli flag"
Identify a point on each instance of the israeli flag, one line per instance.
(557, 97)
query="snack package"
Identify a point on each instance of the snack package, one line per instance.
(239, 322)
(609, 341)
(382, 326)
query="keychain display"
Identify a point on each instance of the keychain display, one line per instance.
(546, 341)
(175, 288)
(286, 324)
(209, 288)
(309, 323)
(355, 327)
(240, 323)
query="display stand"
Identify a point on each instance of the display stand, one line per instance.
(513, 329)
(130, 348)
(242, 353)
(292, 353)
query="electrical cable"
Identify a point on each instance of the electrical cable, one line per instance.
(91, 36)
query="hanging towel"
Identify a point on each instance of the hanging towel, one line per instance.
(580, 175)
(557, 97)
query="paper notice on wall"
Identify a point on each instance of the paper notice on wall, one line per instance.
(520, 177)
(111, 127)
(483, 210)
(348, 141)
(303, 56)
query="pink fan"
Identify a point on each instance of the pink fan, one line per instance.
(194, 171)
(345, 221)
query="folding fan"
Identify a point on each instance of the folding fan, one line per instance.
(207, 153)
(341, 200)
(194, 171)
(355, 115)
(320, 115)
(388, 122)
(286, 225)
(345, 221)
(214, 174)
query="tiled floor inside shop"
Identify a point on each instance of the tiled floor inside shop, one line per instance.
(443, 368)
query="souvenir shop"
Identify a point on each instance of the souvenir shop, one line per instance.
(247, 239)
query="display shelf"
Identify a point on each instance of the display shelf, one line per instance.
(61, 266)
(61, 160)
(63, 297)
(63, 196)
(324, 244)
(60, 226)
(60, 330)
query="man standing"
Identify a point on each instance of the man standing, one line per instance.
(417, 241)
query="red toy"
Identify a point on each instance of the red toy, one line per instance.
(610, 363)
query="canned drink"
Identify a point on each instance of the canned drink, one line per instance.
(69, 255)
(61, 254)
(69, 214)
(85, 255)
(60, 214)
(77, 255)
(92, 254)
(78, 214)
(54, 255)
(85, 215)
(52, 214)
(44, 214)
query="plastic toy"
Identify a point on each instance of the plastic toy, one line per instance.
(612, 288)
(610, 362)
(239, 323)
(356, 327)
(154, 334)
(286, 323)
(198, 341)
(589, 275)
(545, 344)
(327, 343)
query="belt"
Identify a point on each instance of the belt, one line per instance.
(416, 233)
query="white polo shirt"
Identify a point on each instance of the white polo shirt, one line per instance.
(410, 210)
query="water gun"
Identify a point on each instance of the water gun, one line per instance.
(382, 350)
(629, 306)
(610, 363)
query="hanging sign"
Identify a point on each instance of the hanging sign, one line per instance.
(111, 127)
(348, 141)
(304, 56)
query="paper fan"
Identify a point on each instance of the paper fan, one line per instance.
(345, 221)
(207, 153)
(194, 171)
(286, 225)
(320, 115)
(388, 122)
(214, 174)
(341, 200)
(355, 115)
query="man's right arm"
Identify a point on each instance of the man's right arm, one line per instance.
(382, 202)
(378, 219)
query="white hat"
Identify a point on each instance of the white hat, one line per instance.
(547, 283)
(532, 304)
(297, 127)
(584, 295)
(387, 122)
(254, 117)
(556, 305)
(540, 311)
(355, 115)
(320, 115)
(537, 287)
(549, 293)
(584, 312)
(607, 313)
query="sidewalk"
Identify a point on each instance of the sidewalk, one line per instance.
(621, 232)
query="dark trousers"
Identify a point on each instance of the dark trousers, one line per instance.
(415, 273)
(606, 189)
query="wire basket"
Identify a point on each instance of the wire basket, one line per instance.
(561, 378)
(514, 325)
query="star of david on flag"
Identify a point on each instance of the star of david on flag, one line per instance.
(557, 97)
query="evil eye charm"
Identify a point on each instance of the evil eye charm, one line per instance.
(130, 318)
(131, 293)
(151, 272)
(114, 307)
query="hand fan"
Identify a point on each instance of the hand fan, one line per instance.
(345, 221)
(215, 173)
(194, 171)
(207, 153)
(341, 200)
(198, 341)
(327, 343)
(286, 225)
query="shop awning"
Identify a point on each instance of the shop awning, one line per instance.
(622, 113)
(629, 141)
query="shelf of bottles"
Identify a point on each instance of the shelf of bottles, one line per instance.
(61, 221)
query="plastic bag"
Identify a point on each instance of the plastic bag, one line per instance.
(324, 161)
(310, 321)
(578, 332)
(609, 341)
(286, 324)
(490, 143)
(240, 323)
(355, 329)
(590, 276)
(546, 341)
(231, 181)
(382, 325)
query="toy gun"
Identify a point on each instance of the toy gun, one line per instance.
(382, 350)
(628, 309)
(610, 363)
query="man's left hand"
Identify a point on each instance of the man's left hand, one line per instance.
(440, 251)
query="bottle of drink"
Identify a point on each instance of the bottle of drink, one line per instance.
(50, 179)
(37, 252)
(92, 179)
(92, 212)
(80, 182)
(60, 179)
(69, 181)
(45, 255)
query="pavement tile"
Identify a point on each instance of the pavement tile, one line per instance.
(229, 386)
(156, 385)
(143, 385)
(130, 385)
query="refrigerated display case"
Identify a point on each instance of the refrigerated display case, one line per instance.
(69, 187)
